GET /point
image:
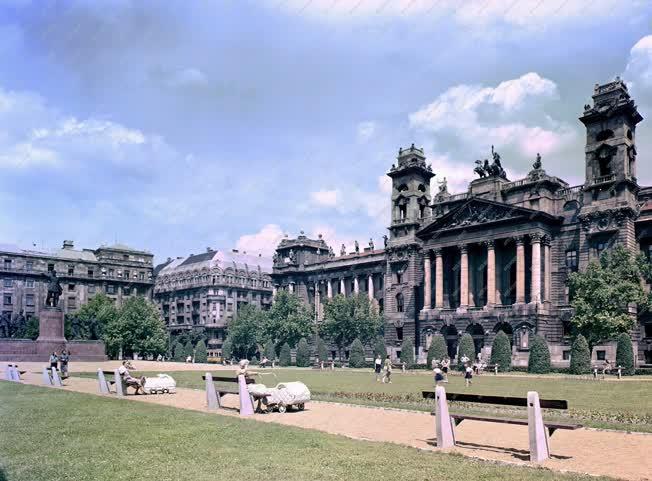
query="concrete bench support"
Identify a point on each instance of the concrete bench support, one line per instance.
(118, 383)
(9, 375)
(47, 380)
(104, 386)
(443, 424)
(15, 374)
(246, 406)
(212, 399)
(539, 449)
(56, 380)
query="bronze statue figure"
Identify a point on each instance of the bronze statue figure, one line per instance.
(537, 162)
(54, 289)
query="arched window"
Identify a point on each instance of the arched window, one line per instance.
(604, 135)
(399, 302)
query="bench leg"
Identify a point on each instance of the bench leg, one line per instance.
(211, 396)
(246, 406)
(118, 384)
(443, 424)
(15, 374)
(56, 380)
(47, 380)
(539, 449)
(104, 387)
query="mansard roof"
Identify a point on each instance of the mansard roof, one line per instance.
(482, 212)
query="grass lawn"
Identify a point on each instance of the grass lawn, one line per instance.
(46, 434)
(619, 405)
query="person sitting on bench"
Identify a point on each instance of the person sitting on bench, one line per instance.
(254, 388)
(130, 381)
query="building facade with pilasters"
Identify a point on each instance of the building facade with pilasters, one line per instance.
(497, 257)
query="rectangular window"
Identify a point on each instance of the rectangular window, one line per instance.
(90, 273)
(7, 263)
(29, 266)
(29, 283)
(110, 289)
(571, 260)
(50, 267)
(71, 270)
(126, 274)
(110, 272)
(601, 355)
(565, 355)
(72, 303)
(141, 276)
(71, 287)
(229, 307)
(399, 277)
(6, 300)
(126, 291)
(91, 289)
(600, 247)
(399, 333)
(29, 300)
(7, 283)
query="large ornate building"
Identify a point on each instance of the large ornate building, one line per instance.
(497, 256)
(204, 291)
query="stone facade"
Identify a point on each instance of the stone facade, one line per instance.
(497, 256)
(205, 291)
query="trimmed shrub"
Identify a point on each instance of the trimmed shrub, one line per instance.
(322, 350)
(625, 354)
(407, 352)
(438, 350)
(285, 357)
(270, 350)
(580, 361)
(303, 353)
(201, 355)
(380, 348)
(539, 359)
(501, 352)
(178, 351)
(356, 355)
(227, 349)
(188, 350)
(467, 350)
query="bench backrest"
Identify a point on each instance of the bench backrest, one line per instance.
(499, 400)
(228, 379)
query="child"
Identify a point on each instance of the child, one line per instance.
(378, 365)
(468, 374)
(388, 371)
(439, 377)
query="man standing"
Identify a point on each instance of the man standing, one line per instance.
(63, 363)
(388, 371)
(378, 365)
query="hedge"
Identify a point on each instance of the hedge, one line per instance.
(303, 353)
(438, 349)
(467, 349)
(501, 352)
(580, 361)
(539, 359)
(379, 348)
(285, 358)
(625, 354)
(356, 355)
(322, 350)
(227, 349)
(201, 355)
(407, 352)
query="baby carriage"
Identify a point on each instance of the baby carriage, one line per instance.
(161, 384)
(284, 395)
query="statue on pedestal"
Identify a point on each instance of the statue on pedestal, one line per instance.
(54, 289)
(357, 247)
(371, 244)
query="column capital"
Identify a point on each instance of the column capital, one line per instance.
(438, 251)
(536, 237)
(489, 244)
(464, 248)
(519, 240)
(546, 239)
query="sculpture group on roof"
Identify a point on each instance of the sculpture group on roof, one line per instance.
(495, 169)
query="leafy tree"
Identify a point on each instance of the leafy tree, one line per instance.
(287, 321)
(539, 359)
(467, 349)
(407, 352)
(605, 295)
(350, 318)
(580, 361)
(193, 336)
(438, 349)
(92, 318)
(285, 358)
(227, 349)
(270, 350)
(138, 328)
(244, 331)
(379, 348)
(177, 352)
(27, 329)
(625, 354)
(303, 353)
(501, 352)
(322, 350)
(356, 355)
(201, 354)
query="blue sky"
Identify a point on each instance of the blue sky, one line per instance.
(173, 126)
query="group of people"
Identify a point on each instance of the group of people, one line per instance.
(440, 369)
(384, 368)
(60, 362)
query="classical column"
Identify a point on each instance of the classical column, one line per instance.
(464, 276)
(491, 273)
(427, 278)
(535, 288)
(520, 270)
(274, 291)
(439, 279)
(342, 287)
(291, 287)
(317, 301)
(547, 265)
(329, 289)
(356, 285)
(370, 287)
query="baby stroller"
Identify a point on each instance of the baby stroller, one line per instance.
(284, 395)
(161, 384)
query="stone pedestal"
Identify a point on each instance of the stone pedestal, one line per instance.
(51, 325)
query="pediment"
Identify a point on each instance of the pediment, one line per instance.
(481, 212)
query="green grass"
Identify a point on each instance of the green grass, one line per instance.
(625, 405)
(48, 434)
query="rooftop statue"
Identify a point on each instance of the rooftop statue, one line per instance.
(357, 247)
(54, 289)
(537, 162)
(443, 186)
(495, 169)
(385, 241)
(330, 252)
(343, 250)
(371, 244)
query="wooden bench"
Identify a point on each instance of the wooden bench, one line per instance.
(214, 395)
(538, 429)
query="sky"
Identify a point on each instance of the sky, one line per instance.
(179, 125)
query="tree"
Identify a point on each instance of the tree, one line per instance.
(604, 297)
(539, 359)
(501, 352)
(188, 350)
(580, 361)
(92, 318)
(322, 350)
(287, 321)
(270, 350)
(303, 353)
(407, 351)
(625, 354)
(227, 349)
(193, 336)
(438, 349)
(285, 358)
(201, 354)
(350, 318)
(244, 331)
(467, 349)
(379, 348)
(138, 328)
(177, 352)
(356, 355)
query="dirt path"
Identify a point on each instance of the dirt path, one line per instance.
(616, 454)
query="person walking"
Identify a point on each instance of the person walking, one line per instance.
(378, 367)
(445, 365)
(468, 374)
(439, 376)
(387, 378)
(54, 359)
(63, 363)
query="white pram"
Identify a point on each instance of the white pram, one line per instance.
(161, 384)
(284, 395)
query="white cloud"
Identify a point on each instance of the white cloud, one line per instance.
(366, 131)
(189, 77)
(262, 242)
(325, 198)
(638, 72)
(25, 155)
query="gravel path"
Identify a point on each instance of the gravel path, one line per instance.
(617, 454)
